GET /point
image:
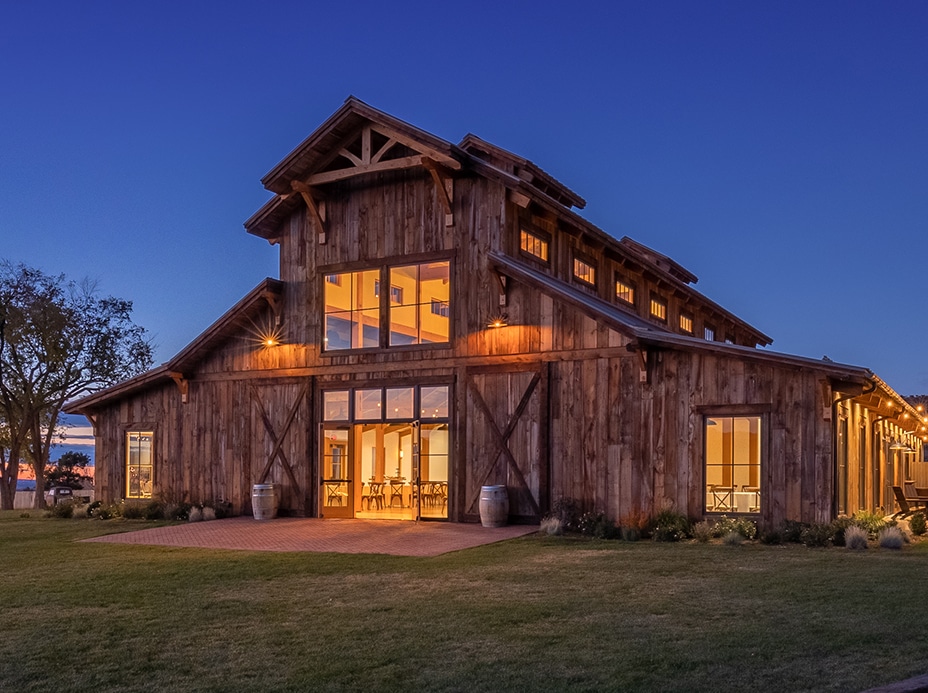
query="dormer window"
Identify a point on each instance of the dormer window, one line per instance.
(658, 308)
(533, 244)
(686, 323)
(625, 291)
(584, 271)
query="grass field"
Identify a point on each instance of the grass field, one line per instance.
(533, 614)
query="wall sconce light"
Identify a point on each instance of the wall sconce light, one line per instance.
(501, 320)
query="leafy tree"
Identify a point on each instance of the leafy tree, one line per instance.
(67, 471)
(58, 340)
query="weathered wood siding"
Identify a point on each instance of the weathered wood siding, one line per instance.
(216, 446)
(621, 446)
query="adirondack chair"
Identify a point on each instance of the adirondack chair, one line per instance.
(907, 506)
(913, 493)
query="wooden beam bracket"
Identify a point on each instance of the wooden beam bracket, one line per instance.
(182, 384)
(444, 186)
(314, 204)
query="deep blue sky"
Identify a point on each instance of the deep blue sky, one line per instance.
(777, 150)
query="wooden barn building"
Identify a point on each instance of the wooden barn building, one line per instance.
(444, 320)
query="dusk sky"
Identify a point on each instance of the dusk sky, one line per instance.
(777, 150)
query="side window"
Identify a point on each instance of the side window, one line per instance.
(584, 271)
(533, 244)
(139, 469)
(733, 464)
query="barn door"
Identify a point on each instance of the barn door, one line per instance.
(282, 412)
(507, 438)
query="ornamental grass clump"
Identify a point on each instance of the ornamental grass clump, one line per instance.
(891, 538)
(551, 525)
(733, 539)
(855, 538)
(195, 514)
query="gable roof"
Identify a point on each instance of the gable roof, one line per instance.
(316, 160)
(242, 314)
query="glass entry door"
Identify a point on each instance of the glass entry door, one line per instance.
(377, 468)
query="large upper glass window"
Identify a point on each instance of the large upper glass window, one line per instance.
(421, 316)
(417, 305)
(352, 310)
(733, 458)
(139, 464)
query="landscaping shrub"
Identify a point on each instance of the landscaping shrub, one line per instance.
(873, 522)
(670, 526)
(891, 538)
(771, 536)
(61, 511)
(154, 510)
(596, 525)
(567, 510)
(740, 525)
(855, 538)
(177, 511)
(634, 525)
(133, 511)
(917, 524)
(791, 531)
(195, 514)
(208, 513)
(702, 531)
(816, 535)
(839, 527)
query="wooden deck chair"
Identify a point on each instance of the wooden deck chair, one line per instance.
(905, 507)
(913, 496)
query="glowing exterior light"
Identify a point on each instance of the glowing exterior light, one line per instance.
(498, 321)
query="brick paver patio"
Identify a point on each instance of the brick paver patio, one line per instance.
(394, 537)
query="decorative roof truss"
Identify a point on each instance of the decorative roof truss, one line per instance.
(375, 149)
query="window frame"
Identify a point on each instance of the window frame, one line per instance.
(762, 414)
(579, 257)
(658, 300)
(628, 284)
(385, 302)
(139, 429)
(688, 317)
(542, 237)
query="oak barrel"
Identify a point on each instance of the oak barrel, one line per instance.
(494, 506)
(264, 501)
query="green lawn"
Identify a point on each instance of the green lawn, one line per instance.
(533, 614)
